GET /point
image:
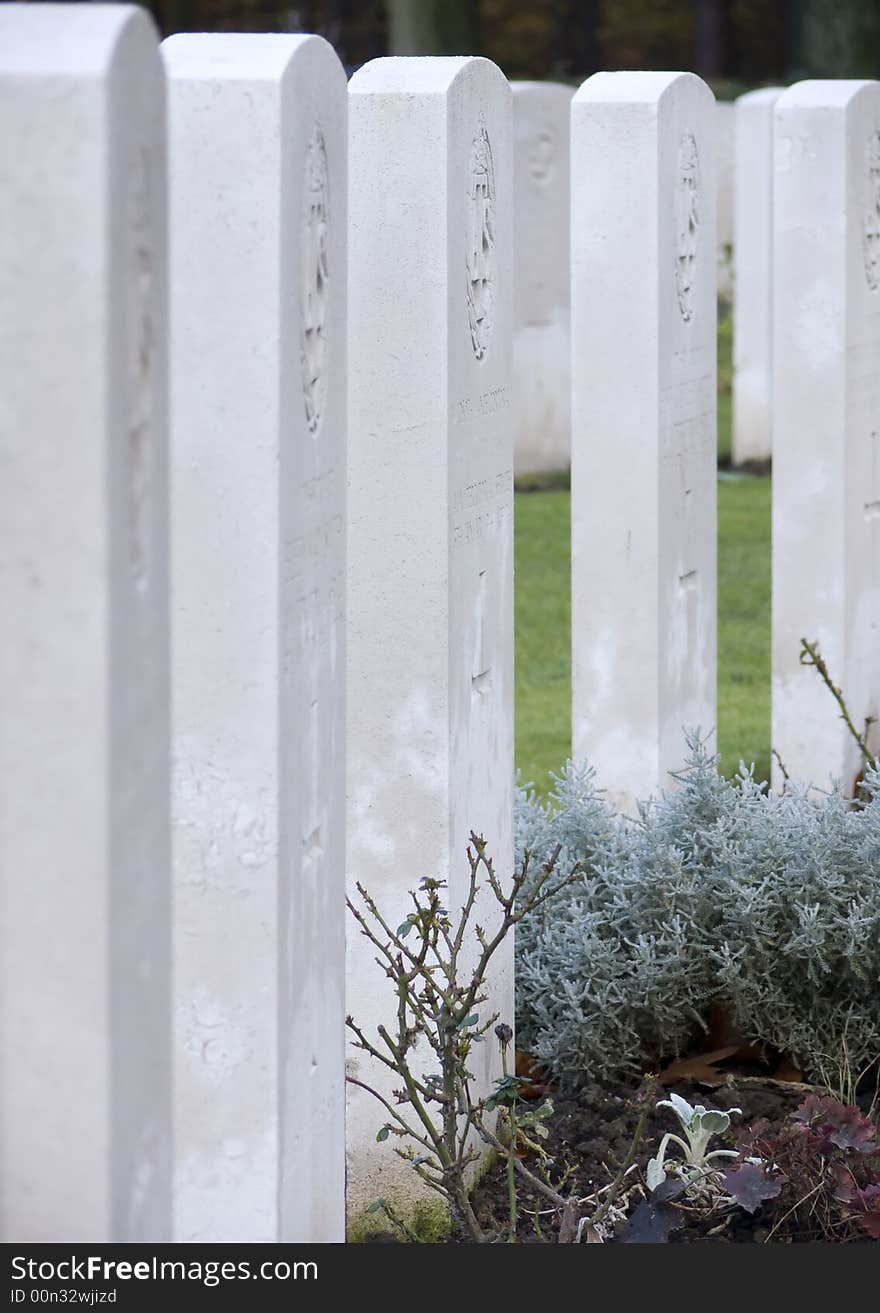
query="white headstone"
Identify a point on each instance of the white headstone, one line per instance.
(753, 292)
(85, 1090)
(541, 341)
(430, 559)
(258, 226)
(643, 418)
(725, 173)
(826, 422)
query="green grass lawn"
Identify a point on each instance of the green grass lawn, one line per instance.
(725, 381)
(543, 627)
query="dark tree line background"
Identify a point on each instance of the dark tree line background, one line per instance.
(732, 43)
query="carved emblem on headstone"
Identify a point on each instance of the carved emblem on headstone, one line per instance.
(542, 153)
(313, 345)
(687, 224)
(871, 220)
(481, 243)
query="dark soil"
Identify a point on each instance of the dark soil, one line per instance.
(590, 1135)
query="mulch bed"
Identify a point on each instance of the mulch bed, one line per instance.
(591, 1133)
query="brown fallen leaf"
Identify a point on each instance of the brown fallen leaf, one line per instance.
(528, 1068)
(701, 1067)
(788, 1070)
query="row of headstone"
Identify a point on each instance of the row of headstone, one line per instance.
(173, 921)
(744, 227)
(789, 327)
(175, 746)
(542, 338)
(186, 783)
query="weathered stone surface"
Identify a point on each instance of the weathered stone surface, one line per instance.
(430, 559)
(826, 421)
(753, 292)
(85, 1091)
(258, 214)
(643, 417)
(542, 338)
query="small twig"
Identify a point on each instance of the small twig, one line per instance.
(393, 1112)
(597, 1194)
(504, 1035)
(568, 1227)
(535, 1215)
(647, 1104)
(793, 1209)
(785, 775)
(811, 656)
(534, 1181)
(396, 1220)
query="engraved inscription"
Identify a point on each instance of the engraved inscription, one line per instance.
(315, 273)
(481, 509)
(686, 416)
(141, 367)
(871, 219)
(687, 225)
(481, 243)
(488, 403)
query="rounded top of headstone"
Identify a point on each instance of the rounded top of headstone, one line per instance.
(824, 93)
(635, 88)
(79, 39)
(411, 74)
(254, 56)
(560, 91)
(763, 96)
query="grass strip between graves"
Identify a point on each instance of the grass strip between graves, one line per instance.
(543, 627)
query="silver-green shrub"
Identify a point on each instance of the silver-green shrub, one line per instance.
(718, 890)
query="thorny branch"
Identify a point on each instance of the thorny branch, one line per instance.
(437, 1000)
(811, 656)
